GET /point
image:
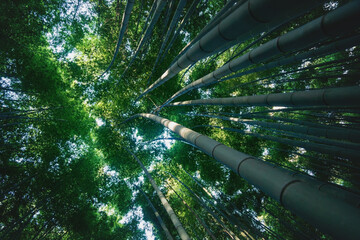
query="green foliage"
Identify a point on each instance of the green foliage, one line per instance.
(66, 176)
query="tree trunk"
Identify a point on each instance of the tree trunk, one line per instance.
(138, 18)
(169, 210)
(230, 218)
(310, 146)
(37, 233)
(152, 9)
(314, 53)
(319, 135)
(202, 222)
(347, 134)
(155, 18)
(300, 38)
(162, 224)
(167, 16)
(313, 200)
(171, 28)
(202, 203)
(179, 29)
(259, 17)
(342, 96)
(221, 15)
(124, 23)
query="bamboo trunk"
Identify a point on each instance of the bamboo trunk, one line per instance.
(229, 7)
(231, 218)
(226, 216)
(202, 222)
(171, 28)
(138, 18)
(179, 29)
(124, 23)
(330, 208)
(249, 19)
(314, 53)
(160, 6)
(162, 224)
(342, 96)
(300, 131)
(203, 204)
(180, 229)
(332, 24)
(310, 146)
(152, 9)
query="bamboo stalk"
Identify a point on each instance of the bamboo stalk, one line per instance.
(180, 229)
(328, 207)
(249, 19)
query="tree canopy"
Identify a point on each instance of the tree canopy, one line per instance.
(276, 80)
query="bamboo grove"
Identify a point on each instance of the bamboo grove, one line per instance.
(176, 119)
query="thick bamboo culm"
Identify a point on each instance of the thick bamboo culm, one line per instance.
(342, 96)
(329, 25)
(249, 19)
(330, 208)
(314, 53)
(229, 7)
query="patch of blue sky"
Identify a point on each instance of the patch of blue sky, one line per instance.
(73, 55)
(108, 171)
(75, 10)
(134, 213)
(137, 138)
(331, 5)
(167, 134)
(137, 212)
(265, 152)
(99, 122)
(204, 94)
(7, 83)
(147, 227)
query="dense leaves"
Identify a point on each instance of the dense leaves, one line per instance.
(65, 127)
